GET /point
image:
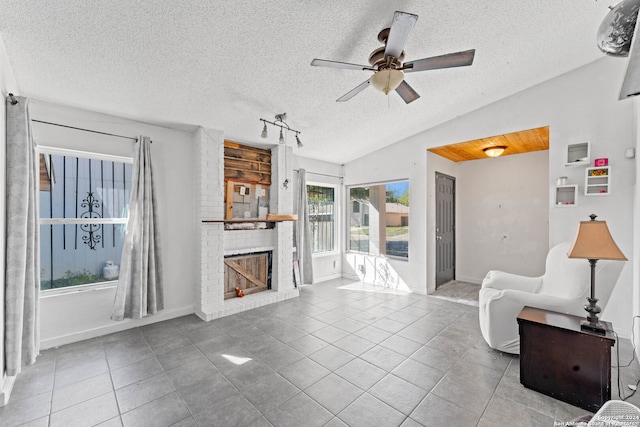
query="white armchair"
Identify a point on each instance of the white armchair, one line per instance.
(563, 288)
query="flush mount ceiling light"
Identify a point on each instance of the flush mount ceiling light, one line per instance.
(494, 151)
(280, 122)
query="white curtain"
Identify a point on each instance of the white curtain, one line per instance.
(303, 231)
(22, 259)
(140, 290)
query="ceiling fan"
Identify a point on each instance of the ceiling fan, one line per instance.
(386, 61)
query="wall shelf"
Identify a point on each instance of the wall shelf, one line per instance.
(578, 154)
(251, 223)
(597, 181)
(566, 196)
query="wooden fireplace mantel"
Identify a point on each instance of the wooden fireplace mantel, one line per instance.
(248, 223)
(270, 218)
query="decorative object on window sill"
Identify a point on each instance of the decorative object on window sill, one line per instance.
(280, 122)
(593, 242)
(494, 151)
(616, 30)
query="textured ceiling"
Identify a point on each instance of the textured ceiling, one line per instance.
(226, 64)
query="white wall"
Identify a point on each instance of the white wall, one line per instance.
(579, 106)
(503, 215)
(635, 261)
(325, 266)
(69, 317)
(7, 84)
(401, 161)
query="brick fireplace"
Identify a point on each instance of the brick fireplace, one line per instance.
(215, 242)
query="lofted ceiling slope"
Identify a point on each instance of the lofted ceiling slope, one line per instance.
(226, 64)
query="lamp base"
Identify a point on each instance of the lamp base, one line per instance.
(596, 327)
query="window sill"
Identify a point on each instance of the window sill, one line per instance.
(48, 293)
(390, 257)
(325, 254)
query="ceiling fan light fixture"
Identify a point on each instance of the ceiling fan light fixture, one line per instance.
(264, 133)
(281, 139)
(494, 151)
(298, 141)
(387, 80)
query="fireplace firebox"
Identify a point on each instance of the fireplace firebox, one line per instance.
(249, 272)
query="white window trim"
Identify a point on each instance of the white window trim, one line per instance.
(337, 219)
(347, 227)
(41, 149)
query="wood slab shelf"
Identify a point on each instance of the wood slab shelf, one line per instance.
(247, 224)
(243, 163)
(231, 221)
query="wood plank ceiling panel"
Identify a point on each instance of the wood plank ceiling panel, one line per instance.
(524, 141)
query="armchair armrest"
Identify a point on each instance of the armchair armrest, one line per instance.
(499, 310)
(496, 279)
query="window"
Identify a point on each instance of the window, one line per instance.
(379, 219)
(83, 215)
(321, 204)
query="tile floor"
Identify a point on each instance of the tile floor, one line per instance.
(342, 353)
(458, 291)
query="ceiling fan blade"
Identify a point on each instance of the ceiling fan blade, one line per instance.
(353, 92)
(450, 60)
(406, 92)
(341, 65)
(401, 27)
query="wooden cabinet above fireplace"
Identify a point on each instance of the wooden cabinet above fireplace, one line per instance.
(243, 163)
(247, 175)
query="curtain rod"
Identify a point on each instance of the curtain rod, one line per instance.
(85, 130)
(321, 174)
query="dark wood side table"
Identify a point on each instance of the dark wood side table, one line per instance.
(560, 360)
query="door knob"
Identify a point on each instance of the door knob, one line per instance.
(438, 237)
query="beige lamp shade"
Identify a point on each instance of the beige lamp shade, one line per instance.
(594, 241)
(386, 80)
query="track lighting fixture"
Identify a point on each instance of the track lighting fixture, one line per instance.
(280, 122)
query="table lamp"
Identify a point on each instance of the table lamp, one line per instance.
(594, 242)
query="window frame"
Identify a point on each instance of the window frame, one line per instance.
(348, 213)
(57, 151)
(336, 215)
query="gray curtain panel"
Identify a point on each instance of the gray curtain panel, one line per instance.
(303, 231)
(140, 290)
(22, 260)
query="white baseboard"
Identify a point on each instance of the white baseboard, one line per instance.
(327, 278)
(474, 280)
(119, 326)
